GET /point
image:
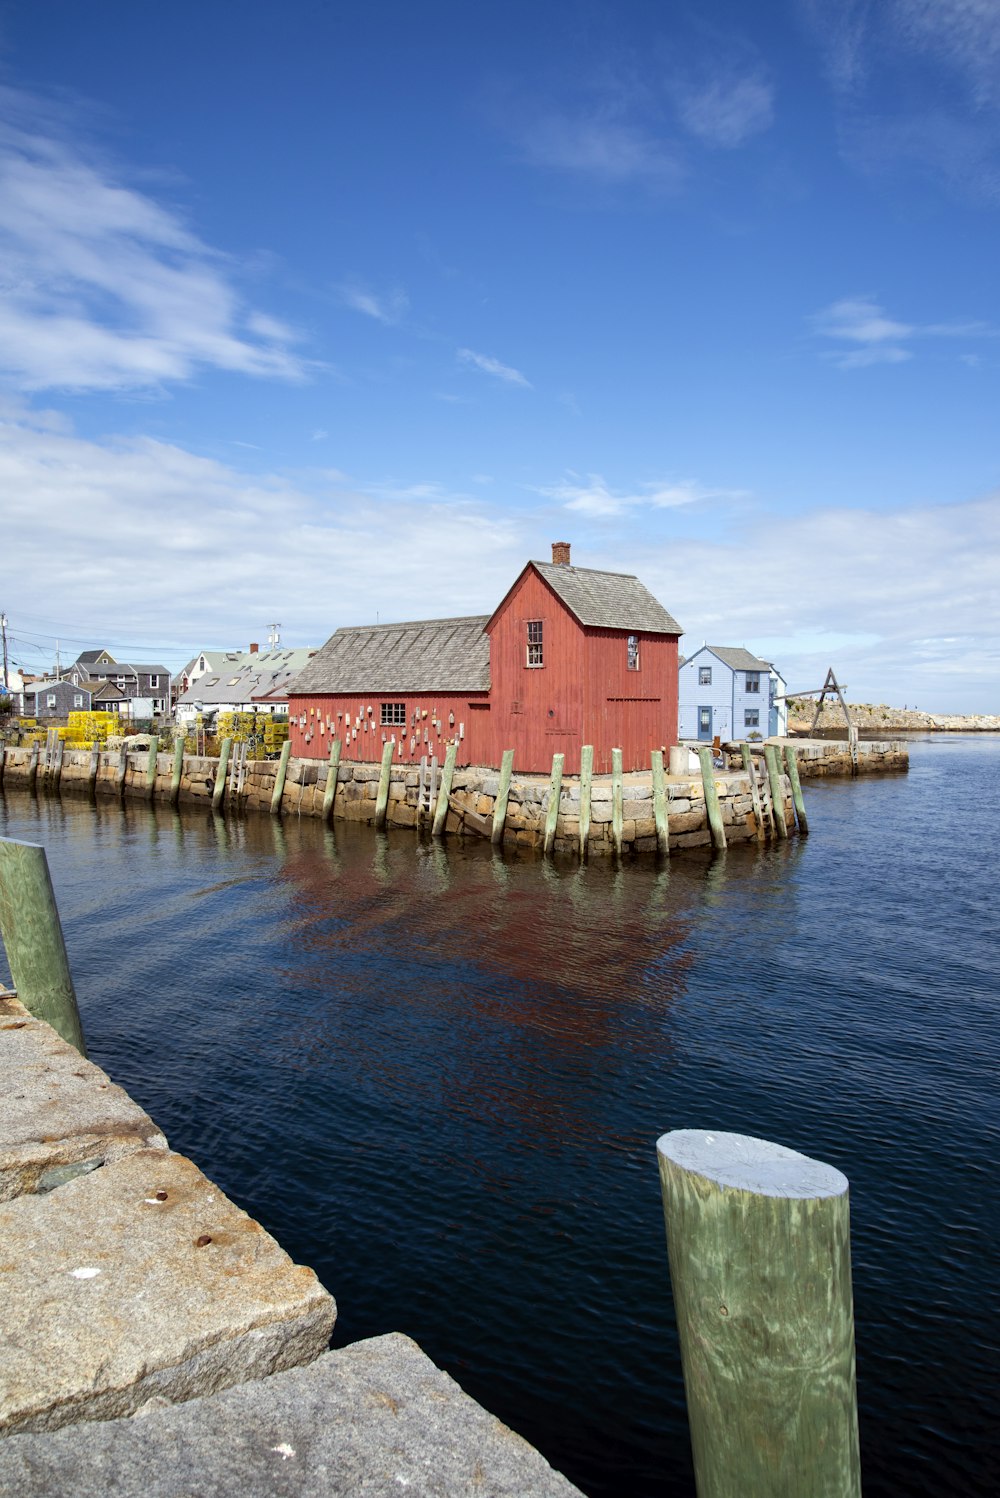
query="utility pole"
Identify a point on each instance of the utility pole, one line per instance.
(6, 672)
(273, 636)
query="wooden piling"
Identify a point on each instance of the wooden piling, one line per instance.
(503, 795)
(176, 771)
(760, 1263)
(33, 939)
(154, 749)
(279, 778)
(121, 772)
(586, 783)
(33, 768)
(777, 790)
(382, 799)
(93, 771)
(758, 810)
(793, 775)
(57, 764)
(617, 802)
(219, 788)
(444, 791)
(332, 771)
(552, 815)
(3, 763)
(712, 807)
(660, 818)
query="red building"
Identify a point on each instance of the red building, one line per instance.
(571, 656)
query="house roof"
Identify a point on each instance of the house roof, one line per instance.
(426, 655)
(607, 600)
(737, 658)
(247, 677)
(88, 657)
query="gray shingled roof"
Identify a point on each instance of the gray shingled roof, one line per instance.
(737, 658)
(608, 600)
(427, 655)
(248, 677)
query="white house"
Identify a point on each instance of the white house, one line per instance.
(245, 681)
(727, 693)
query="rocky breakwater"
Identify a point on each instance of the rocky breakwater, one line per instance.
(877, 719)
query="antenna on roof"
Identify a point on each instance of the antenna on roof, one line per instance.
(273, 636)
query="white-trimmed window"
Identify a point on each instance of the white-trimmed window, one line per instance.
(77, 699)
(633, 652)
(751, 718)
(393, 714)
(50, 699)
(704, 676)
(154, 683)
(157, 704)
(753, 681)
(536, 643)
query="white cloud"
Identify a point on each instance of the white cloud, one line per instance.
(873, 337)
(725, 110)
(592, 496)
(104, 288)
(388, 307)
(603, 147)
(493, 367)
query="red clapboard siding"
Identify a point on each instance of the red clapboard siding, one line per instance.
(314, 721)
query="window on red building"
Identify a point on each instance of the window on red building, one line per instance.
(535, 644)
(633, 652)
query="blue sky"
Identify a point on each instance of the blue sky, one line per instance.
(321, 313)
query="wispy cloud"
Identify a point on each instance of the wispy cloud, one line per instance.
(946, 51)
(724, 110)
(871, 336)
(105, 288)
(387, 307)
(602, 147)
(592, 495)
(493, 367)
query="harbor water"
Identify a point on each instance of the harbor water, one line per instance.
(437, 1074)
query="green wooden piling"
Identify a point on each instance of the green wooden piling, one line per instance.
(552, 815)
(660, 818)
(33, 768)
(444, 791)
(777, 790)
(122, 771)
(760, 1263)
(791, 760)
(57, 764)
(758, 810)
(33, 939)
(92, 773)
(219, 789)
(279, 778)
(712, 806)
(586, 784)
(3, 762)
(617, 801)
(332, 771)
(177, 771)
(382, 799)
(503, 794)
(154, 749)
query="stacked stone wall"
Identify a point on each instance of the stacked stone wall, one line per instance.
(818, 757)
(471, 808)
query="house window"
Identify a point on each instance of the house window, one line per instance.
(751, 718)
(157, 704)
(154, 683)
(633, 652)
(393, 713)
(120, 683)
(704, 676)
(753, 681)
(77, 699)
(50, 699)
(535, 645)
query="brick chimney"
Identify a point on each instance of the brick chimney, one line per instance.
(254, 647)
(560, 553)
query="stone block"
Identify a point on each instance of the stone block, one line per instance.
(677, 805)
(143, 1279)
(687, 822)
(62, 1116)
(484, 804)
(402, 816)
(373, 1418)
(600, 811)
(692, 840)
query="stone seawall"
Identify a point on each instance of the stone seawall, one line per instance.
(471, 805)
(818, 757)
